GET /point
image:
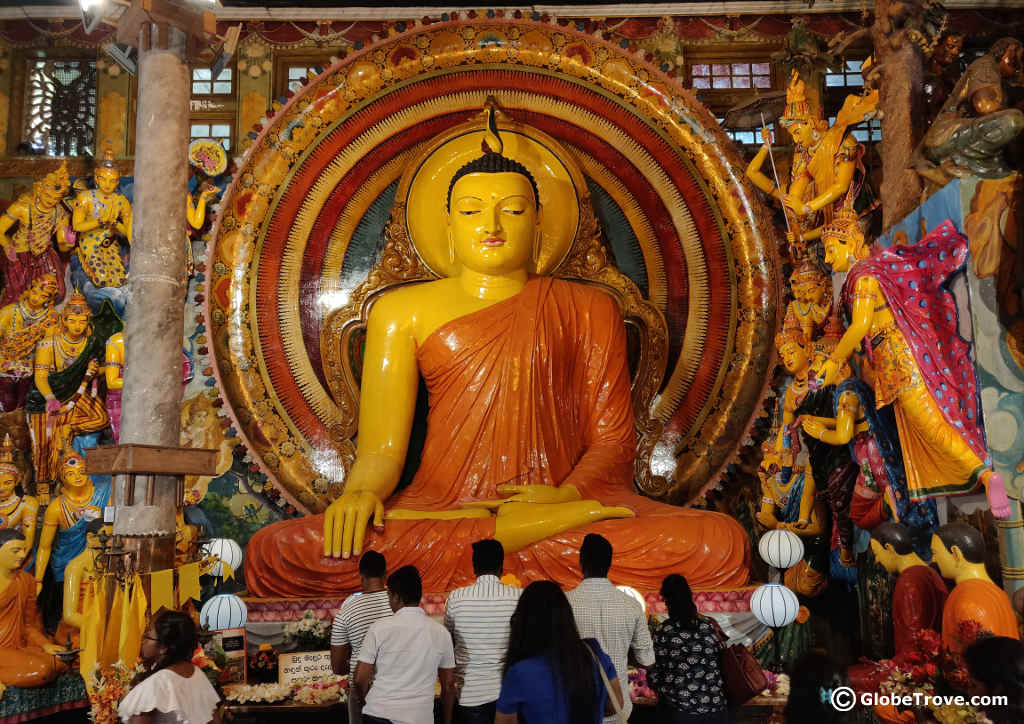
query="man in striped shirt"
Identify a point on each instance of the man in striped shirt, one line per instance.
(353, 621)
(478, 618)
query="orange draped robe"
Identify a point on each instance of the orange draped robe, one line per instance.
(980, 601)
(22, 659)
(532, 390)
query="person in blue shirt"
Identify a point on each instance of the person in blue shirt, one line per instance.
(551, 674)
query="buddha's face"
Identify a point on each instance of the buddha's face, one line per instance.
(73, 470)
(493, 222)
(8, 481)
(885, 555)
(944, 558)
(75, 325)
(12, 554)
(794, 357)
(106, 179)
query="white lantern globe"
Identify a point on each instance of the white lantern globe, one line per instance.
(225, 610)
(774, 605)
(781, 548)
(227, 551)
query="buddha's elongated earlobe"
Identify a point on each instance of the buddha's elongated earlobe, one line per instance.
(451, 248)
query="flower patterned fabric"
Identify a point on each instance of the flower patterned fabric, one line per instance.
(687, 673)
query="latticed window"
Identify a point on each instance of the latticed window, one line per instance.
(60, 118)
(204, 84)
(297, 74)
(214, 131)
(745, 136)
(722, 76)
(849, 76)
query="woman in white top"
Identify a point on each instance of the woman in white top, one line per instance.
(173, 690)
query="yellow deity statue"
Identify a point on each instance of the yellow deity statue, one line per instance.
(16, 511)
(794, 350)
(812, 298)
(509, 357)
(102, 216)
(79, 576)
(61, 406)
(921, 366)
(788, 493)
(22, 324)
(210, 159)
(43, 228)
(195, 214)
(67, 516)
(824, 161)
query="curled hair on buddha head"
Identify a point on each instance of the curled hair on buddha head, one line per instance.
(492, 161)
(373, 565)
(965, 537)
(894, 534)
(406, 584)
(9, 534)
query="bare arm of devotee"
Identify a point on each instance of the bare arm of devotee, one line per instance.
(502, 718)
(387, 401)
(364, 680)
(448, 693)
(340, 656)
(146, 718)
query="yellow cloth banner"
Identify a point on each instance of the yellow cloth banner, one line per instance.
(161, 590)
(112, 636)
(92, 632)
(188, 583)
(133, 623)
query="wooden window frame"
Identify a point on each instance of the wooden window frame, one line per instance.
(285, 60)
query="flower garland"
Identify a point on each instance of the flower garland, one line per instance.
(108, 685)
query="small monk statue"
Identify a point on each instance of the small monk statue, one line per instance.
(26, 653)
(22, 324)
(899, 308)
(919, 594)
(16, 511)
(102, 218)
(530, 436)
(825, 160)
(976, 122)
(62, 405)
(43, 229)
(79, 576)
(64, 524)
(812, 298)
(959, 551)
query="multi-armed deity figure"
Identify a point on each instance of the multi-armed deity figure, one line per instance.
(62, 406)
(43, 228)
(920, 365)
(528, 382)
(103, 218)
(22, 324)
(825, 160)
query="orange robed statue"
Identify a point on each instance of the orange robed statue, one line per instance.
(530, 435)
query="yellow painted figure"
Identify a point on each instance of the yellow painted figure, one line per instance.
(788, 501)
(812, 298)
(794, 352)
(937, 457)
(824, 160)
(16, 511)
(195, 214)
(66, 517)
(80, 577)
(101, 216)
(22, 324)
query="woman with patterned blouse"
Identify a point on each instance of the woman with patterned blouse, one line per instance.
(687, 672)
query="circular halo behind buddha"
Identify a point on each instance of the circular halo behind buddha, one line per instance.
(663, 220)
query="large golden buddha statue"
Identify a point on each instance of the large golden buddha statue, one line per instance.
(530, 434)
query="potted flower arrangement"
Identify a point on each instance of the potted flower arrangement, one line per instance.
(263, 666)
(308, 633)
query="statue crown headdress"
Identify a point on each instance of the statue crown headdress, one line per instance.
(792, 333)
(77, 304)
(108, 158)
(7, 454)
(58, 178)
(844, 226)
(808, 272)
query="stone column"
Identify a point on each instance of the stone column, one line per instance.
(151, 405)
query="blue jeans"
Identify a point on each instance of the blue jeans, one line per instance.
(480, 714)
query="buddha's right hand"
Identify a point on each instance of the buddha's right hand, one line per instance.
(346, 519)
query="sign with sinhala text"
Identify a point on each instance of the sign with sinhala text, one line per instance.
(303, 665)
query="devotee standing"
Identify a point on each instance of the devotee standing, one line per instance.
(477, 617)
(687, 672)
(353, 620)
(607, 614)
(401, 658)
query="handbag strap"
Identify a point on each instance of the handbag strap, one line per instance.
(619, 713)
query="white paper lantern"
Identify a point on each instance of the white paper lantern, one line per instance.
(781, 548)
(774, 605)
(225, 610)
(225, 549)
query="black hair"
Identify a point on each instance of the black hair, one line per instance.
(406, 584)
(595, 556)
(894, 534)
(9, 534)
(997, 662)
(679, 600)
(492, 163)
(175, 632)
(967, 538)
(815, 676)
(488, 557)
(543, 625)
(373, 565)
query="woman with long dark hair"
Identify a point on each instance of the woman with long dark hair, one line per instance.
(551, 675)
(172, 690)
(996, 665)
(687, 672)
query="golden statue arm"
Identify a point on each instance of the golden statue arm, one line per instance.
(844, 177)
(43, 365)
(124, 226)
(757, 177)
(82, 219)
(73, 575)
(7, 220)
(28, 519)
(766, 515)
(51, 521)
(113, 359)
(860, 324)
(195, 209)
(836, 430)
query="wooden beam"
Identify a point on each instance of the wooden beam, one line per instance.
(149, 460)
(201, 24)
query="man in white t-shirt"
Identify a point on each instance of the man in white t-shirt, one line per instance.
(401, 658)
(353, 620)
(478, 618)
